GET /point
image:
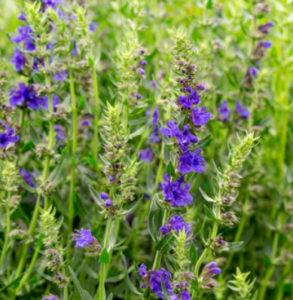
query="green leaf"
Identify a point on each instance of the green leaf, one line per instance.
(155, 218)
(91, 62)
(209, 213)
(57, 175)
(203, 141)
(104, 257)
(210, 4)
(28, 187)
(206, 197)
(34, 136)
(166, 242)
(96, 196)
(81, 102)
(110, 297)
(234, 245)
(137, 132)
(170, 169)
(192, 254)
(132, 208)
(84, 295)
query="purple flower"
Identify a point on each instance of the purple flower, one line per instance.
(242, 111)
(8, 136)
(143, 63)
(51, 3)
(224, 111)
(146, 155)
(141, 71)
(25, 96)
(266, 44)
(51, 297)
(155, 116)
(176, 223)
(142, 270)
(201, 117)
(182, 296)
(210, 270)
(155, 279)
(18, 60)
(26, 176)
(93, 26)
(184, 138)
(24, 35)
(176, 192)
(21, 17)
(191, 162)
(61, 76)
(188, 100)
(82, 237)
(265, 28)
(104, 196)
(108, 203)
(138, 96)
(155, 138)
(253, 71)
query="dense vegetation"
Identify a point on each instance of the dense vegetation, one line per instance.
(146, 149)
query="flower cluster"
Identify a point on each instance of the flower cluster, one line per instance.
(224, 111)
(261, 32)
(206, 280)
(158, 281)
(177, 192)
(83, 238)
(177, 224)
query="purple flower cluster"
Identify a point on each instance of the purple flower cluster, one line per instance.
(264, 29)
(26, 96)
(25, 35)
(177, 193)
(224, 111)
(182, 296)
(191, 162)
(106, 197)
(176, 223)
(18, 60)
(8, 136)
(158, 281)
(184, 137)
(82, 237)
(50, 297)
(146, 155)
(60, 133)
(187, 101)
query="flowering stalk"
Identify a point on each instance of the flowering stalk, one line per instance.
(73, 159)
(228, 182)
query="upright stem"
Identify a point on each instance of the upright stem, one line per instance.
(51, 142)
(6, 237)
(101, 291)
(73, 160)
(206, 250)
(96, 122)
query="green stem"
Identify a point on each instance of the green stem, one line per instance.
(29, 270)
(46, 170)
(96, 121)
(158, 256)
(6, 238)
(270, 271)
(101, 290)
(73, 160)
(206, 250)
(238, 233)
